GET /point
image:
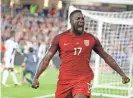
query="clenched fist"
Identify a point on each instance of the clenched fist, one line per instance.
(35, 83)
(125, 80)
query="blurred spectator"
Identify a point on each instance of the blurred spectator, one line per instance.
(52, 12)
(33, 8)
(6, 33)
(2, 50)
(45, 11)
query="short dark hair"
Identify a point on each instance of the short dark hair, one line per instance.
(75, 11)
(31, 50)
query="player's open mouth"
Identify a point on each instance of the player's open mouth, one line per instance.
(80, 28)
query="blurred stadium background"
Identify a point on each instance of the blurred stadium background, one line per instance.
(41, 20)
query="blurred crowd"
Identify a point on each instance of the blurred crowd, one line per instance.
(38, 29)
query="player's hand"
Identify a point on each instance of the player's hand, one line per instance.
(125, 80)
(35, 83)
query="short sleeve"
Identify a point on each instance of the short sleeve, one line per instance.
(55, 44)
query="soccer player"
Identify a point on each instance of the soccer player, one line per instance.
(11, 47)
(30, 64)
(75, 47)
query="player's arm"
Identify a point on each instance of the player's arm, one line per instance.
(17, 46)
(19, 52)
(45, 61)
(109, 60)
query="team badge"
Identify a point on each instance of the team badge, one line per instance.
(86, 42)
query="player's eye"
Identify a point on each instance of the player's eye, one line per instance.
(82, 18)
(78, 18)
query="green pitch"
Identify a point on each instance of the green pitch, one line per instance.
(47, 86)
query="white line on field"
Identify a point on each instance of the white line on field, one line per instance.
(7, 97)
(45, 96)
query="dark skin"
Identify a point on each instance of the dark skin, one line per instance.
(77, 27)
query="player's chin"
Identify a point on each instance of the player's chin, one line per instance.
(80, 30)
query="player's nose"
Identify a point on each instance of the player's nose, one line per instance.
(80, 23)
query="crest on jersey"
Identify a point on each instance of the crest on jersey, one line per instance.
(86, 42)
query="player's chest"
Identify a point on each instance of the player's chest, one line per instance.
(76, 44)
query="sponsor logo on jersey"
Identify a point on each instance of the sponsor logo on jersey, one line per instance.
(86, 42)
(66, 44)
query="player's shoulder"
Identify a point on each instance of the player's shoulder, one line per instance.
(11, 42)
(8, 41)
(57, 37)
(64, 33)
(90, 35)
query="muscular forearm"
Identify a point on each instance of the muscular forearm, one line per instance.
(45, 61)
(42, 66)
(111, 62)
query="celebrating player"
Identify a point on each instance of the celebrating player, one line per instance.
(75, 47)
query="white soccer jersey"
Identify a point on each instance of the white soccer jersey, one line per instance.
(42, 51)
(11, 46)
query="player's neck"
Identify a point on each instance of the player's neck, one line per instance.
(76, 34)
(13, 38)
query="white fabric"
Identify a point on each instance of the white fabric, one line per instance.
(11, 47)
(42, 51)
